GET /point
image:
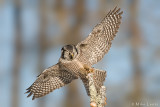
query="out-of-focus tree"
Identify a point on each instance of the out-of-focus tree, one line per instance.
(17, 54)
(73, 36)
(135, 38)
(42, 43)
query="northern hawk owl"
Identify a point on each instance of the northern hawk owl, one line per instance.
(76, 60)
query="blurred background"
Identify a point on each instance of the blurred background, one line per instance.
(32, 33)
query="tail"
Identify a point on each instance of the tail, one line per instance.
(98, 76)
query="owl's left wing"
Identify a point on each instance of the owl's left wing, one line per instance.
(97, 44)
(49, 80)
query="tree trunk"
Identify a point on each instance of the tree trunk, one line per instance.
(42, 44)
(135, 43)
(17, 55)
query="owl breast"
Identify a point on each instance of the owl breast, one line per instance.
(74, 66)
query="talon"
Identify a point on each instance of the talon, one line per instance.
(91, 70)
(88, 69)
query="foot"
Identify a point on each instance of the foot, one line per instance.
(88, 69)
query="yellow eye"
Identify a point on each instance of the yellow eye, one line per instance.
(72, 54)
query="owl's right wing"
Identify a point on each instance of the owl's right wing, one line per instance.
(49, 80)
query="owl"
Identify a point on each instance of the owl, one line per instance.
(76, 60)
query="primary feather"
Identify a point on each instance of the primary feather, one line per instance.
(99, 41)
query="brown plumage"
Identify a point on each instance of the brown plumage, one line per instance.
(49, 80)
(98, 43)
(76, 61)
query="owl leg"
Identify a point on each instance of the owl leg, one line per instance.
(88, 69)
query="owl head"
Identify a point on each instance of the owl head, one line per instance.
(69, 52)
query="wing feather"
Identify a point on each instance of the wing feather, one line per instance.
(49, 80)
(98, 43)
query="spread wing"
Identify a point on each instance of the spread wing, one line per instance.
(49, 80)
(98, 43)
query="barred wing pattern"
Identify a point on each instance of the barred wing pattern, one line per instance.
(49, 80)
(98, 43)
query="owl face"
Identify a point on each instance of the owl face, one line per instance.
(69, 52)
